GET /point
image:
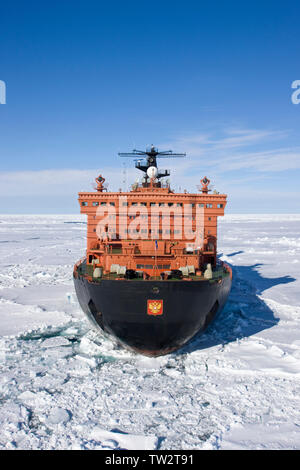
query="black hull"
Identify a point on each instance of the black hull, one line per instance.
(119, 308)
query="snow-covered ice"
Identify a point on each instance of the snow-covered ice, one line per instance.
(63, 386)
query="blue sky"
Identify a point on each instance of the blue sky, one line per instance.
(85, 80)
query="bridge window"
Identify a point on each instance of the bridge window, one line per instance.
(95, 204)
(84, 203)
(209, 206)
(220, 206)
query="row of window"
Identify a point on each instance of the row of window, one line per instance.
(171, 216)
(145, 216)
(150, 266)
(95, 203)
(143, 230)
(153, 231)
(170, 204)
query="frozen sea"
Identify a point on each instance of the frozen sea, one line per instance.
(63, 386)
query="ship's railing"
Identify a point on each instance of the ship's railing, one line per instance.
(78, 265)
(218, 273)
(217, 276)
(150, 253)
(136, 251)
(228, 268)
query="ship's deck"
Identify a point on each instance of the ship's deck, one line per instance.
(86, 270)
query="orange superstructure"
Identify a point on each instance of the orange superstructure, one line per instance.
(151, 228)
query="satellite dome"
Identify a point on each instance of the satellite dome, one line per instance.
(152, 172)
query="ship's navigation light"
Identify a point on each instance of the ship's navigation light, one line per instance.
(204, 185)
(100, 183)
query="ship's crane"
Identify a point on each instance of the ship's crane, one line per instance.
(151, 155)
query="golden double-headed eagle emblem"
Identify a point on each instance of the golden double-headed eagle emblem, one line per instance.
(155, 307)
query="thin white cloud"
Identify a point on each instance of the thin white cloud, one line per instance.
(229, 138)
(215, 156)
(56, 181)
(264, 161)
(237, 149)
